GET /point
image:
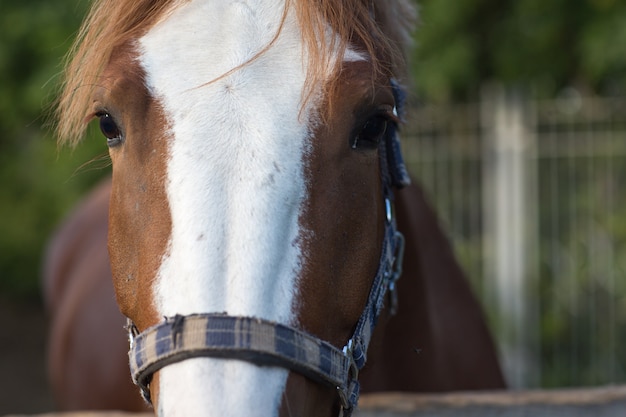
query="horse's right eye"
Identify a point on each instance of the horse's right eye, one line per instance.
(371, 133)
(109, 129)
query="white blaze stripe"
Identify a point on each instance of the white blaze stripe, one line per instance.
(235, 184)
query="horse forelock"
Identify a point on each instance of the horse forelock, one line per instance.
(381, 27)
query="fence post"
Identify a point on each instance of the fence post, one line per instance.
(509, 204)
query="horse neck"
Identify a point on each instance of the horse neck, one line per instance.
(438, 340)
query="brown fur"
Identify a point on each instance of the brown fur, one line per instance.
(86, 352)
(344, 210)
(437, 342)
(112, 23)
(139, 205)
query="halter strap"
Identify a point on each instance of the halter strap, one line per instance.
(256, 340)
(395, 162)
(264, 342)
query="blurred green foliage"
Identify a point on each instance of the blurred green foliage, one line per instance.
(545, 44)
(548, 44)
(38, 181)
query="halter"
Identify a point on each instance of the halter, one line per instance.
(267, 343)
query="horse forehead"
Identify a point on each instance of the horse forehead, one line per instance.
(201, 42)
(230, 46)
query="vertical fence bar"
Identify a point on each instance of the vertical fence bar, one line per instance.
(507, 203)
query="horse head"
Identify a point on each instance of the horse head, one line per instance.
(251, 229)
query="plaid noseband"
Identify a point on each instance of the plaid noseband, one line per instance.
(266, 343)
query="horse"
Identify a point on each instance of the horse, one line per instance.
(259, 210)
(86, 349)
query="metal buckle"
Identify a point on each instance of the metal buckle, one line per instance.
(353, 375)
(133, 332)
(388, 210)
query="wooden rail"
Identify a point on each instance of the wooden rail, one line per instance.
(594, 402)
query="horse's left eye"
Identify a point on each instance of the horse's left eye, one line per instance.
(110, 130)
(371, 133)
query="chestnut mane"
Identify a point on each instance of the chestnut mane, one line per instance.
(382, 27)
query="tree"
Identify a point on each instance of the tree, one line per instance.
(548, 45)
(39, 182)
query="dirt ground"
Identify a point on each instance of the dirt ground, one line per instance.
(23, 384)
